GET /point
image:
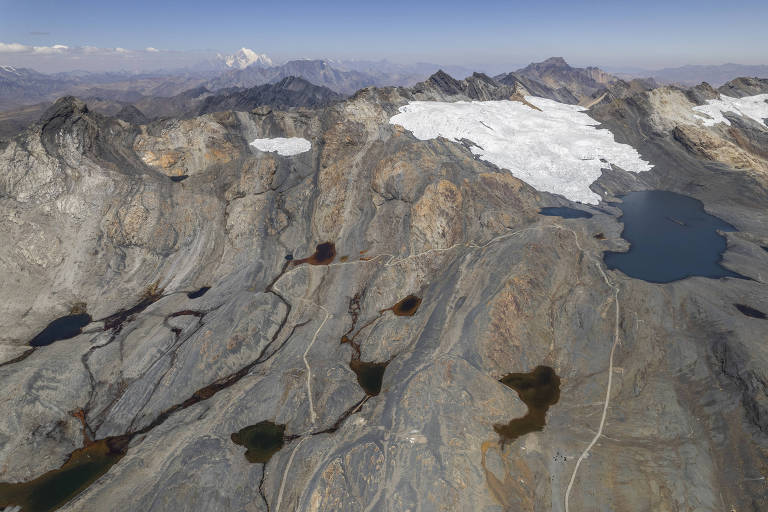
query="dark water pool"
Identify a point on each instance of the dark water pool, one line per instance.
(61, 329)
(538, 389)
(369, 375)
(564, 212)
(671, 238)
(261, 440)
(198, 293)
(53, 489)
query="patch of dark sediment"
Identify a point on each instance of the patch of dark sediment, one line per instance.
(538, 389)
(261, 440)
(323, 255)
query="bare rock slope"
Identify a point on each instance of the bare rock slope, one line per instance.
(230, 288)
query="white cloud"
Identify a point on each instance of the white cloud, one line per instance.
(23, 48)
(13, 48)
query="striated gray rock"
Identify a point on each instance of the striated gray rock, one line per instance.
(94, 223)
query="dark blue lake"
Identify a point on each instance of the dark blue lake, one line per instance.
(672, 238)
(61, 329)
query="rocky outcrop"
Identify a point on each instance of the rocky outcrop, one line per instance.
(744, 86)
(479, 87)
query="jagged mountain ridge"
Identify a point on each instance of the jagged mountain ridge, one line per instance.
(287, 93)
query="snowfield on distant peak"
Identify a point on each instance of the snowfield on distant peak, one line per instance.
(754, 107)
(555, 149)
(283, 146)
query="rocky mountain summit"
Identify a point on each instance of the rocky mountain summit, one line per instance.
(555, 73)
(373, 321)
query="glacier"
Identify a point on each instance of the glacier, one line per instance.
(283, 146)
(554, 147)
(753, 107)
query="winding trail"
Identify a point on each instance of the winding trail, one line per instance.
(285, 474)
(606, 404)
(312, 415)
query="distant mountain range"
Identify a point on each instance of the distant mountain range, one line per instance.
(244, 69)
(246, 80)
(694, 75)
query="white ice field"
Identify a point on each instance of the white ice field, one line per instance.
(283, 146)
(556, 149)
(754, 107)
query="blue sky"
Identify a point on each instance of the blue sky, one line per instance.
(641, 34)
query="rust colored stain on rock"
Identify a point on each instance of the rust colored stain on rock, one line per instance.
(538, 389)
(323, 255)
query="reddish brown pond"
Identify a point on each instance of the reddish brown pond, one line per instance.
(538, 389)
(323, 255)
(407, 307)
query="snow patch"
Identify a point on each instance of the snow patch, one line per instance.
(555, 149)
(754, 107)
(246, 57)
(283, 146)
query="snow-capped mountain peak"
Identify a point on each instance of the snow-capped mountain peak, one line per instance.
(246, 57)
